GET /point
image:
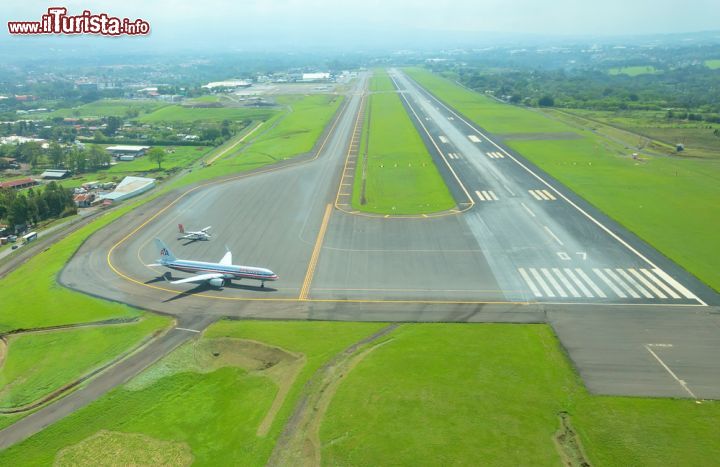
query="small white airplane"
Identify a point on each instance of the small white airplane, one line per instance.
(214, 274)
(201, 234)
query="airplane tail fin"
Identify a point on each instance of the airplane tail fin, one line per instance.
(165, 253)
(181, 228)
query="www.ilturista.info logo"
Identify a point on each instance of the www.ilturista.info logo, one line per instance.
(57, 21)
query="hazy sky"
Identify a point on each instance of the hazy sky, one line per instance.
(377, 21)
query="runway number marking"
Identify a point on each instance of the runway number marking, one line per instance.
(474, 138)
(681, 382)
(443, 139)
(564, 256)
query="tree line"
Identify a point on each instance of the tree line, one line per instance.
(75, 158)
(35, 205)
(692, 89)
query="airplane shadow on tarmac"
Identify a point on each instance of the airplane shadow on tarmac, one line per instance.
(204, 287)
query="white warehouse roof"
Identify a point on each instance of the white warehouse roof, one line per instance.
(129, 187)
(128, 148)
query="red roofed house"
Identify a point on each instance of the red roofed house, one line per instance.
(84, 200)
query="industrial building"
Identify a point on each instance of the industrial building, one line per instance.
(311, 77)
(128, 188)
(19, 184)
(55, 174)
(127, 151)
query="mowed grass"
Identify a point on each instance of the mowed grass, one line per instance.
(633, 70)
(670, 202)
(697, 137)
(381, 81)
(296, 132)
(36, 364)
(401, 177)
(31, 297)
(492, 115)
(491, 394)
(713, 64)
(108, 108)
(216, 414)
(283, 136)
(178, 113)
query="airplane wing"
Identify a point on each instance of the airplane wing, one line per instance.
(199, 278)
(227, 259)
(206, 229)
(190, 235)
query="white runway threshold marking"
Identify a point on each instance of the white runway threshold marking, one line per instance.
(682, 383)
(474, 138)
(443, 139)
(618, 282)
(495, 155)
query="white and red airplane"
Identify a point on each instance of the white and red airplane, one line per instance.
(201, 234)
(214, 274)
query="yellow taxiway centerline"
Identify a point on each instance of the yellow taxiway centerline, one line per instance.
(316, 253)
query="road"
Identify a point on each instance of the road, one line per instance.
(524, 249)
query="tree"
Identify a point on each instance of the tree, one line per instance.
(98, 157)
(113, 124)
(546, 101)
(77, 160)
(56, 154)
(157, 154)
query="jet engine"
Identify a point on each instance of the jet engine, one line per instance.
(216, 282)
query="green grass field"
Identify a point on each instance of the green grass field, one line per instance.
(178, 113)
(283, 136)
(109, 107)
(713, 64)
(633, 70)
(401, 176)
(490, 394)
(37, 364)
(217, 414)
(381, 81)
(492, 115)
(297, 132)
(431, 394)
(697, 137)
(667, 201)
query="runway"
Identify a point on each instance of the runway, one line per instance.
(524, 249)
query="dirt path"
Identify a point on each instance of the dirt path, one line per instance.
(299, 443)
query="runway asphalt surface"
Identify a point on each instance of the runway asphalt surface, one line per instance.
(525, 250)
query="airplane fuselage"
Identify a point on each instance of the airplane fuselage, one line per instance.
(230, 271)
